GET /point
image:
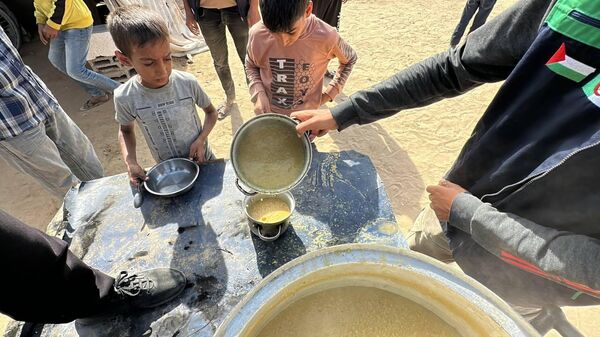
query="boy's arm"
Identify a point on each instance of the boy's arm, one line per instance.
(257, 89)
(190, 19)
(253, 73)
(347, 58)
(202, 100)
(198, 146)
(127, 143)
(253, 13)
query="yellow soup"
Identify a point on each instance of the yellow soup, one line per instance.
(269, 210)
(270, 156)
(356, 311)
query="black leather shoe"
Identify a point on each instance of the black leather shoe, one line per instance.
(146, 289)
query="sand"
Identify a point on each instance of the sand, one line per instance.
(411, 150)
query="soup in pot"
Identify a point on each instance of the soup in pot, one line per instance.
(356, 311)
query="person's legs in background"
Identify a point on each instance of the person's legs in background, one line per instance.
(328, 11)
(485, 9)
(74, 147)
(238, 29)
(212, 27)
(56, 153)
(468, 12)
(57, 54)
(36, 155)
(98, 86)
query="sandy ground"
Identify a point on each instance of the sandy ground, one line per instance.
(410, 150)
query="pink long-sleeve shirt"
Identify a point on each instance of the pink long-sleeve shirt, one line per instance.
(292, 76)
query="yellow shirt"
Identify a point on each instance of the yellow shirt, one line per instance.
(63, 14)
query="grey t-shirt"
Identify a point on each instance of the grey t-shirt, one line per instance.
(167, 116)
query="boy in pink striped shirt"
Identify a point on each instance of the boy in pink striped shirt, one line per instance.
(288, 54)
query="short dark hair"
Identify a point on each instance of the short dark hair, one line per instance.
(134, 26)
(279, 16)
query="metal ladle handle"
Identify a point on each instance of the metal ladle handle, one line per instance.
(237, 184)
(268, 238)
(138, 198)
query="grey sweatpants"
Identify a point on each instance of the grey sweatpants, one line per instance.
(56, 153)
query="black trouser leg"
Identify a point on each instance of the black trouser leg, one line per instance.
(470, 8)
(328, 11)
(41, 280)
(482, 14)
(238, 29)
(213, 30)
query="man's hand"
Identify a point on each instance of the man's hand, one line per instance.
(325, 98)
(136, 174)
(192, 25)
(49, 33)
(197, 150)
(442, 196)
(262, 104)
(41, 33)
(318, 122)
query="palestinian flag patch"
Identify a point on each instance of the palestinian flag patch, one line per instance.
(568, 67)
(592, 90)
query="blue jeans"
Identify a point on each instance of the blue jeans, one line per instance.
(68, 53)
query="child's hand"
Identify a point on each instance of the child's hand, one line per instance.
(197, 150)
(137, 174)
(192, 25)
(325, 98)
(262, 104)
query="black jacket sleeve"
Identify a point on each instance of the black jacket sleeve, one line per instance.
(489, 55)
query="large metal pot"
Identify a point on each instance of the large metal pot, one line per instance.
(461, 302)
(268, 156)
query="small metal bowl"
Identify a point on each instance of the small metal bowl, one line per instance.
(264, 230)
(172, 177)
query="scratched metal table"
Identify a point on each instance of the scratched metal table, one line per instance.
(205, 234)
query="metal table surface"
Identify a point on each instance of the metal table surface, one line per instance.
(205, 234)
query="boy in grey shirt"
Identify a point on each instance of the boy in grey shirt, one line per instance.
(162, 101)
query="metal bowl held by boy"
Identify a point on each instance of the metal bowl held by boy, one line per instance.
(268, 156)
(269, 214)
(169, 178)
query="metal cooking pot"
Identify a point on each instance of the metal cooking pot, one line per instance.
(268, 156)
(461, 302)
(264, 230)
(169, 178)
